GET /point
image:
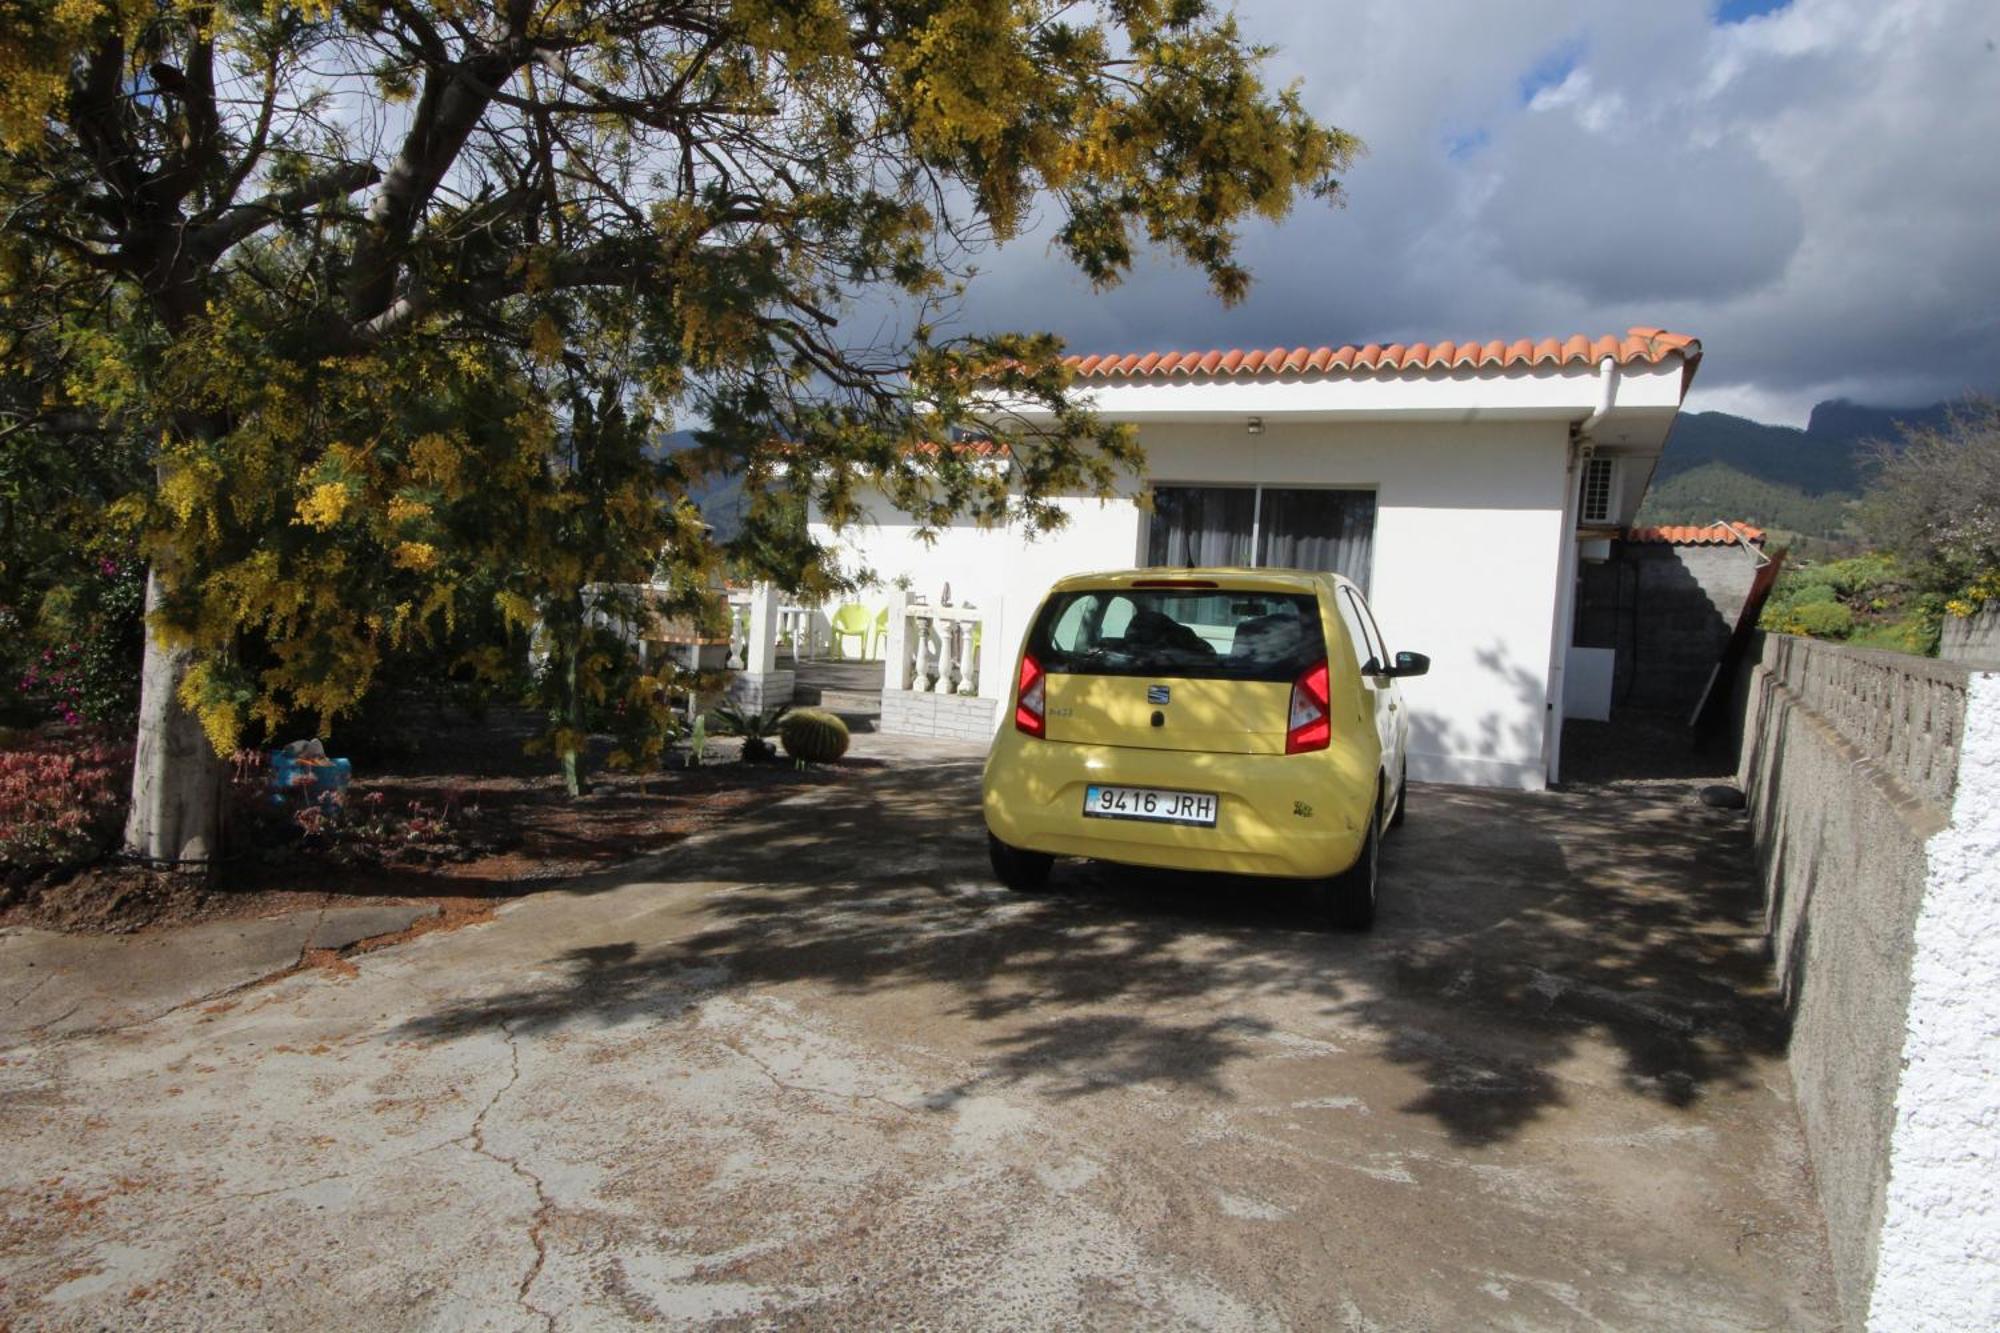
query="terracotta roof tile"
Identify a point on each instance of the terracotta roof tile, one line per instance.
(1637, 346)
(1689, 534)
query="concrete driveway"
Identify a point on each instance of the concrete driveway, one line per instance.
(817, 1070)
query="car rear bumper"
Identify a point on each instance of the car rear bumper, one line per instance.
(1292, 816)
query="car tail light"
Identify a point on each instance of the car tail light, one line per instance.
(1309, 727)
(1031, 699)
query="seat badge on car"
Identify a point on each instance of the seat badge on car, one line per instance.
(1158, 694)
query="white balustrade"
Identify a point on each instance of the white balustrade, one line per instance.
(937, 649)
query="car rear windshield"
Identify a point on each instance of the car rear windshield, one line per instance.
(1203, 634)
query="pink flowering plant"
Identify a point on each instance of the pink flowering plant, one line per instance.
(90, 633)
(367, 827)
(61, 799)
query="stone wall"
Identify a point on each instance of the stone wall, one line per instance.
(950, 716)
(1851, 762)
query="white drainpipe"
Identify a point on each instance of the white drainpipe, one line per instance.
(1607, 396)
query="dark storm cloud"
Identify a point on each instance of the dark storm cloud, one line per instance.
(1655, 220)
(1812, 192)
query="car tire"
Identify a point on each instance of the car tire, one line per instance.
(1347, 901)
(1023, 872)
(1402, 797)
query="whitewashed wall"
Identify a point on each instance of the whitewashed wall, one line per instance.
(1469, 531)
(1938, 1264)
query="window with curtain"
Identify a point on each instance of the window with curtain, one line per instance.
(1201, 525)
(1331, 531)
(1285, 528)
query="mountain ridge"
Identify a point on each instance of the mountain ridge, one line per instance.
(1718, 465)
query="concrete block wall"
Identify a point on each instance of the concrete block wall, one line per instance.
(1852, 761)
(949, 716)
(760, 690)
(1667, 611)
(1973, 641)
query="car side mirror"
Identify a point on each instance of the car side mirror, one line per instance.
(1410, 664)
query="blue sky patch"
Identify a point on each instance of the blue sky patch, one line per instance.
(1739, 11)
(1550, 70)
(1458, 147)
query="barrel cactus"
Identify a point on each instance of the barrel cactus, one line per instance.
(813, 736)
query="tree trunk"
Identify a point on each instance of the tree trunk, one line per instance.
(177, 779)
(575, 779)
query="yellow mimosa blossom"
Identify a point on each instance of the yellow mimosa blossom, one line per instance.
(414, 555)
(324, 506)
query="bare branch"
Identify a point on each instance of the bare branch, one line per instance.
(212, 241)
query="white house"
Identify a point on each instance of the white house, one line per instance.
(1458, 483)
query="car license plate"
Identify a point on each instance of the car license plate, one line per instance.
(1150, 803)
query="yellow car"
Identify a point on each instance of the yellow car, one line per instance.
(1245, 721)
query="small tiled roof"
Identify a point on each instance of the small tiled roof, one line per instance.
(1690, 534)
(1638, 346)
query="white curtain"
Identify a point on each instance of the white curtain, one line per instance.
(1201, 525)
(1332, 531)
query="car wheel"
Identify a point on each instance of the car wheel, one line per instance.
(1023, 872)
(1347, 901)
(1402, 797)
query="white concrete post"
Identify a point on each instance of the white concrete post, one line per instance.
(896, 671)
(995, 665)
(762, 650)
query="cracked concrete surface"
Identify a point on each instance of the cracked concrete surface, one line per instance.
(59, 984)
(816, 1070)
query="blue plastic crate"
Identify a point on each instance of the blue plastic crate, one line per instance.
(325, 775)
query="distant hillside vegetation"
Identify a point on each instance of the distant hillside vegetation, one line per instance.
(1718, 491)
(1779, 477)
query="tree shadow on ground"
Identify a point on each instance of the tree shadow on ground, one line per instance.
(1516, 931)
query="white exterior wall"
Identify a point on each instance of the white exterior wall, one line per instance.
(1468, 540)
(1938, 1261)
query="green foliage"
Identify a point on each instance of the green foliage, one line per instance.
(813, 736)
(1868, 600)
(90, 628)
(1936, 500)
(1819, 620)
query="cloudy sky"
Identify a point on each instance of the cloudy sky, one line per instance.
(1812, 188)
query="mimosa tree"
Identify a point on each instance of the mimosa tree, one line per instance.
(329, 260)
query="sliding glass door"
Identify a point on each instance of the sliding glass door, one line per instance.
(1269, 526)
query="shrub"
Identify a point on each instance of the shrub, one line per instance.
(94, 632)
(60, 801)
(1820, 620)
(813, 736)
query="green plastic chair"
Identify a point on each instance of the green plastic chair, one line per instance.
(881, 632)
(852, 622)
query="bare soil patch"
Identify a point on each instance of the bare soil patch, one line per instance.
(515, 832)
